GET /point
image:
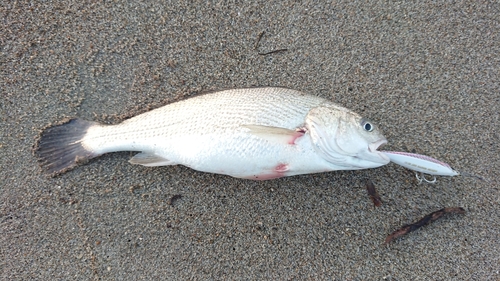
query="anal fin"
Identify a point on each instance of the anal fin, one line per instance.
(150, 160)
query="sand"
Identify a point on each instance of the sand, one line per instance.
(426, 73)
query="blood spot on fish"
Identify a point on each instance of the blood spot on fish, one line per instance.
(295, 136)
(281, 168)
(278, 172)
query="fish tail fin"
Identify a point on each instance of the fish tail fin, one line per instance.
(59, 148)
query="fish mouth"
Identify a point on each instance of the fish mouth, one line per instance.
(376, 145)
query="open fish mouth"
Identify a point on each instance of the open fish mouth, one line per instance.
(376, 145)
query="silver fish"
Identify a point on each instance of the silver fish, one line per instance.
(252, 133)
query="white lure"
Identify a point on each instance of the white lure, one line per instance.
(421, 163)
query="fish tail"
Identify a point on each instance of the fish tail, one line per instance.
(60, 147)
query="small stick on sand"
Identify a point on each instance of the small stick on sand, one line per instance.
(272, 52)
(425, 220)
(370, 187)
(256, 45)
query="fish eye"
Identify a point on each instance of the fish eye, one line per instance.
(367, 126)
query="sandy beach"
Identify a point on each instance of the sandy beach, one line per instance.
(427, 73)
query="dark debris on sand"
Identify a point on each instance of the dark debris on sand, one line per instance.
(425, 220)
(372, 192)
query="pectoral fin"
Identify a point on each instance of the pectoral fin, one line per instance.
(150, 160)
(275, 134)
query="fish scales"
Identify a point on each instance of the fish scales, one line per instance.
(196, 117)
(256, 133)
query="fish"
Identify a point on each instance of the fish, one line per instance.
(257, 133)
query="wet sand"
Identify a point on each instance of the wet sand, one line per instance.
(427, 73)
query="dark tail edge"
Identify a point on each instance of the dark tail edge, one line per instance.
(59, 147)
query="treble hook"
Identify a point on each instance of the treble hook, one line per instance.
(424, 179)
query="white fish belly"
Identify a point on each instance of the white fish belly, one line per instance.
(246, 156)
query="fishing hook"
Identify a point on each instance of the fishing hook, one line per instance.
(424, 179)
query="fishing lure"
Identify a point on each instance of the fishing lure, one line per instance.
(421, 164)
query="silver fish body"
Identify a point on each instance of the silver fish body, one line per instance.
(254, 133)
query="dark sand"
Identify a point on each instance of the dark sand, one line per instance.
(427, 73)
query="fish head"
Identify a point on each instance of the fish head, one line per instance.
(344, 138)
